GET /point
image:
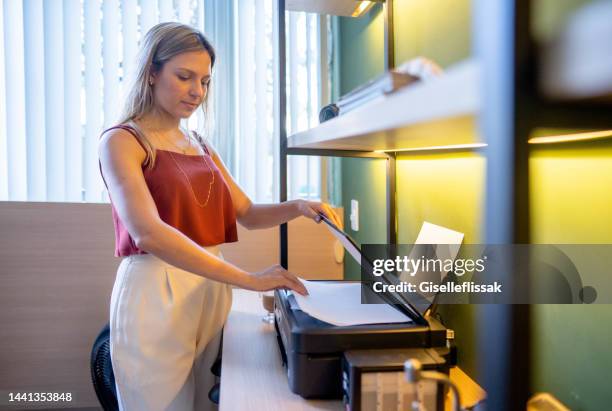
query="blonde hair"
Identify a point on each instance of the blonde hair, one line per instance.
(160, 44)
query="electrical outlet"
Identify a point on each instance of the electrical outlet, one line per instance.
(354, 217)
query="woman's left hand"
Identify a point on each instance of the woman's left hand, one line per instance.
(312, 209)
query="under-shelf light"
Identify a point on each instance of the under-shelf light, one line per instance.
(431, 148)
(362, 8)
(346, 8)
(567, 138)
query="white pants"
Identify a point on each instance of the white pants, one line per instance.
(165, 330)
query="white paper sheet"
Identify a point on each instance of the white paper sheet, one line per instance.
(435, 234)
(339, 304)
(447, 243)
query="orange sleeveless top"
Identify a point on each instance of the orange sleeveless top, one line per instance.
(180, 184)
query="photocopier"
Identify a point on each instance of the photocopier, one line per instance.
(313, 350)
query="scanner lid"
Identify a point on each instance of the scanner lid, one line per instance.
(398, 300)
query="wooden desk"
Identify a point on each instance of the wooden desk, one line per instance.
(253, 377)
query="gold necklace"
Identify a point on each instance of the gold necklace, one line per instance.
(210, 185)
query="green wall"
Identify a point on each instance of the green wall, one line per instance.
(366, 183)
(571, 358)
(362, 58)
(445, 189)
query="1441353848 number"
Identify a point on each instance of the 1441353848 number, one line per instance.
(39, 396)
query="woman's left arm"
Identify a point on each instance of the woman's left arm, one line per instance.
(270, 215)
(257, 216)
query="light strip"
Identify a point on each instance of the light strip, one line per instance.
(571, 137)
(449, 147)
(362, 8)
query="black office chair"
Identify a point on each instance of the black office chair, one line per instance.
(103, 378)
(215, 392)
(102, 375)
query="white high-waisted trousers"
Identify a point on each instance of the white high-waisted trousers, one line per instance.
(165, 329)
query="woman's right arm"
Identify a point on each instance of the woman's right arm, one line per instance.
(121, 157)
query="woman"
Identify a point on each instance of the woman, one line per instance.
(173, 203)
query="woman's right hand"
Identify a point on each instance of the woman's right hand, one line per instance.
(276, 277)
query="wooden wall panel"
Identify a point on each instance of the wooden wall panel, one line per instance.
(311, 250)
(57, 271)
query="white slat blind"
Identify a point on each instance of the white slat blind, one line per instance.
(35, 93)
(166, 11)
(303, 80)
(292, 101)
(262, 130)
(247, 169)
(93, 191)
(184, 11)
(73, 118)
(276, 31)
(130, 39)
(54, 101)
(15, 101)
(3, 130)
(315, 82)
(256, 150)
(199, 14)
(73, 69)
(219, 22)
(65, 67)
(148, 15)
(110, 58)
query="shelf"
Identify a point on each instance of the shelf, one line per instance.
(439, 112)
(577, 64)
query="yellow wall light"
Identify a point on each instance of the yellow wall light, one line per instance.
(567, 138)
(448, 147)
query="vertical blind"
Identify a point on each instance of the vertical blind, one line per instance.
(65, 68)
(255, 157)
(303, 97)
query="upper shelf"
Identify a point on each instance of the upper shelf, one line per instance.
(436, 113)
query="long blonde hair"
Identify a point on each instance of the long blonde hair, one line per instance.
(160, 44)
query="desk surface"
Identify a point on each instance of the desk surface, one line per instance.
(253, 377)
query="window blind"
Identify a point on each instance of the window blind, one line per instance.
(65, 67)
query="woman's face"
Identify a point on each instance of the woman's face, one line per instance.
(181, 85)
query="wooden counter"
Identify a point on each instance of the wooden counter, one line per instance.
(253, 377)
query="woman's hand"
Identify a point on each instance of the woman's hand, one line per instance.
(276, 277)
(312, 209)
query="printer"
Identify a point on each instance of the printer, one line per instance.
(312, 350)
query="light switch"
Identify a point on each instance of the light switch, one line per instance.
(354, 217)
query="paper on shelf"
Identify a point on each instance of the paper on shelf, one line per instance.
(339, 304)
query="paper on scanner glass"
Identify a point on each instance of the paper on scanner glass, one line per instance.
(312, 349)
